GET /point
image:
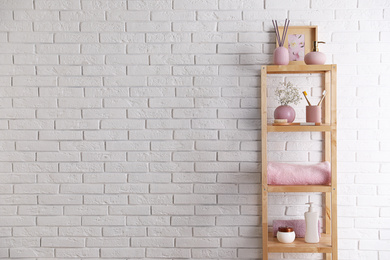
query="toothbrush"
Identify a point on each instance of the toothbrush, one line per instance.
(305, 94)
(322, 98)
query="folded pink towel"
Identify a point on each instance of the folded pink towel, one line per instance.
(294, 174)
(298, 225)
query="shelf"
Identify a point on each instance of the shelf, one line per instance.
(299, 188)
(282, 69)
(299, 245)
(328, 130)
(300, 128)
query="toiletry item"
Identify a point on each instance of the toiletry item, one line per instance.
(281, 56)
(305, 94)
(298, 225)
(313, 114)
(279, 121)
(311, 219)
(315, 57)
(285, 235)
(322, 98)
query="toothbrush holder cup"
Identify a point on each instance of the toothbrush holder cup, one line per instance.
(313, 114)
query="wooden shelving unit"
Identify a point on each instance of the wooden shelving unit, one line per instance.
(328, 241)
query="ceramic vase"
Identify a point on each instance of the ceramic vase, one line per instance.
(281, 56)
(285, 112)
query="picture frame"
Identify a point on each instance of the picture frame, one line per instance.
(299, 42)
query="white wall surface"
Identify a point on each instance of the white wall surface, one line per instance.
(131, 129)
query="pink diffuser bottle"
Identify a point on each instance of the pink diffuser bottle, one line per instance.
(315, 57)
(281, 56)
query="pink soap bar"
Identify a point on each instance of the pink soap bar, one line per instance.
(298, 225)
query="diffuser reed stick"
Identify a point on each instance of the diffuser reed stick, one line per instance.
(285, 22)
(276, 32)
(285, 30)
(279, 39)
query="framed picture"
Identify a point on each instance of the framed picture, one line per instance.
(299, 41)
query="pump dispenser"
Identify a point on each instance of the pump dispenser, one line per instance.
(311, 219)
(315, 57)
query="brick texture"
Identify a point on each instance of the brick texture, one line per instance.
(130, 129)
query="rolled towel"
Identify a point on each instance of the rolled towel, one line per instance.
(295, 174)
(298, 225)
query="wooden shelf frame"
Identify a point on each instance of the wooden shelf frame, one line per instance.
(328, 243)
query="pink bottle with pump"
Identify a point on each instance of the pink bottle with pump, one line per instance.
(315, 57)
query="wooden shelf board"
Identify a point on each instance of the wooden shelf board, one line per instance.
(275, 69)
(299, 245)
(299, 188)
(299, 128)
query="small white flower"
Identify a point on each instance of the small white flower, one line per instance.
(287, 93)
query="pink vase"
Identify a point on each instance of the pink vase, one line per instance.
(281, 56)
(285, 112)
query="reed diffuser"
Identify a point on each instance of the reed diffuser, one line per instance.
(281, 56)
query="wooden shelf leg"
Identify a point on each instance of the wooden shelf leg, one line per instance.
(265, 223)
(327, 213)
(264, 182)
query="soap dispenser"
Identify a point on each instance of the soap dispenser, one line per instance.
(315, 57)
(311, 219)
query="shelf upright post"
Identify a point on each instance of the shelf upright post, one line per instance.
(334, 161)
(327, 151)
(264, 182)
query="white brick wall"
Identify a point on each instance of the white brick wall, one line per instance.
(131, 129)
